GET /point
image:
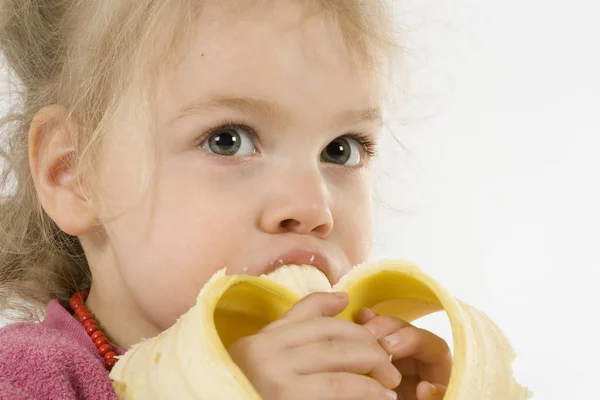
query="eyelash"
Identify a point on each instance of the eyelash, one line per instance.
(368, 144)
(225, 124)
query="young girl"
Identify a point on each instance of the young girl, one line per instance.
(160, 141)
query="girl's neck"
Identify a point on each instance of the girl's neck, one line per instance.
(118, 315)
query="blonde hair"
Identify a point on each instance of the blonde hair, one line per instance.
(84, 56)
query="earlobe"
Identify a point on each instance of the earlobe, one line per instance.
(52, 160)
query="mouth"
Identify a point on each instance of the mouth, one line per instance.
(301, 257)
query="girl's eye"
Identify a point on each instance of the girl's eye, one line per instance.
(343, 151)
(230, 141)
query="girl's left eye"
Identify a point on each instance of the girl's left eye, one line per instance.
(230, 141)
(343, 151)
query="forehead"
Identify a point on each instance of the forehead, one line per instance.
(278, 52)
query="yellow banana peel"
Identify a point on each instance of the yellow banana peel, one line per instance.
(190, 360)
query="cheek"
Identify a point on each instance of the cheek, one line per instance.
(166, 255)
(126, 162)
(174, 239)
(354, 221)
(362, 237)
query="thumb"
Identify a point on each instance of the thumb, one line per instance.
(315, 305)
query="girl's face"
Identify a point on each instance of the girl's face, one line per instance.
(263, 132)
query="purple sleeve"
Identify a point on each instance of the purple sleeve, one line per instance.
(8, 391)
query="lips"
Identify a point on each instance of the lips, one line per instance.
(301, 257)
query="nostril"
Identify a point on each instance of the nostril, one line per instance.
(287, 223)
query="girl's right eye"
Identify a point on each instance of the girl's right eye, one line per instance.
(231, 140)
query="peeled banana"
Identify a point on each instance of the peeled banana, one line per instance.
(190, 361)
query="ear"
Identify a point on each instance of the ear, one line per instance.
(52, 160)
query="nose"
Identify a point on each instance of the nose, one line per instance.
(297, 203)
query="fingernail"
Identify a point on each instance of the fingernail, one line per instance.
(391, 340)
(341, 295)
(399, 375)
(368, 313)
(390, 395)
(436, 390)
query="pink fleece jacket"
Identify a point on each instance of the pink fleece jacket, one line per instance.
(52, 360)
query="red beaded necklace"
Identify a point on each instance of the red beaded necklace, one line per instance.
(106, 351)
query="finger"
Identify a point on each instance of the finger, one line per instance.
(429, 391)
(364, 315)
(315, 305)
(324, 329)
(343, 386)
(383, 325)
(345, 356)
(432, 352)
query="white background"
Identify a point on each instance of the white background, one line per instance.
(499, 198)
(498, 195)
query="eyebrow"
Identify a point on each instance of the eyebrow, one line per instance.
(269, 110)
(358, 116)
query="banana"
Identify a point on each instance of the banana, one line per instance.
(190, 361)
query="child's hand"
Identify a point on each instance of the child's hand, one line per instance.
(423, 359)
(307, 354)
